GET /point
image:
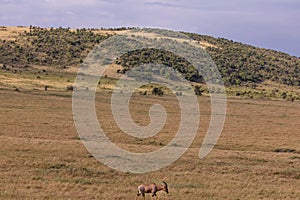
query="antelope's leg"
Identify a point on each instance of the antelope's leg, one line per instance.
(137, 195)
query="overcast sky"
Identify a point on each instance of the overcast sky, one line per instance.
(271, 24)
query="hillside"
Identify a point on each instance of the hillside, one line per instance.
(48, 47)
(241, 65)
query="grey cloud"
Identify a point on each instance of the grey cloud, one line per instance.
(164, 4)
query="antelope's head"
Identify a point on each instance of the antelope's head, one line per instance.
(165, 186)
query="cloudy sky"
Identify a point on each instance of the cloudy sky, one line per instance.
(271, 24)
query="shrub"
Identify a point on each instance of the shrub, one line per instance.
(198, 90)
(157, 91)
(70, 88)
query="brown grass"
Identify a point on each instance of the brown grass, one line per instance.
(11, 32)
(41, 156)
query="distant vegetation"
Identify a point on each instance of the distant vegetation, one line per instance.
(239, 64)
(49, 47)
(242, 64)
(145, 56)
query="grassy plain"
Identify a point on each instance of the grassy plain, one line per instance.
(41, 156)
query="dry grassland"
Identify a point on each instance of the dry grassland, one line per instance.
(41, 156)
(11, 32)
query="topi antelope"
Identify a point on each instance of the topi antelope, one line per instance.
(152, 188)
